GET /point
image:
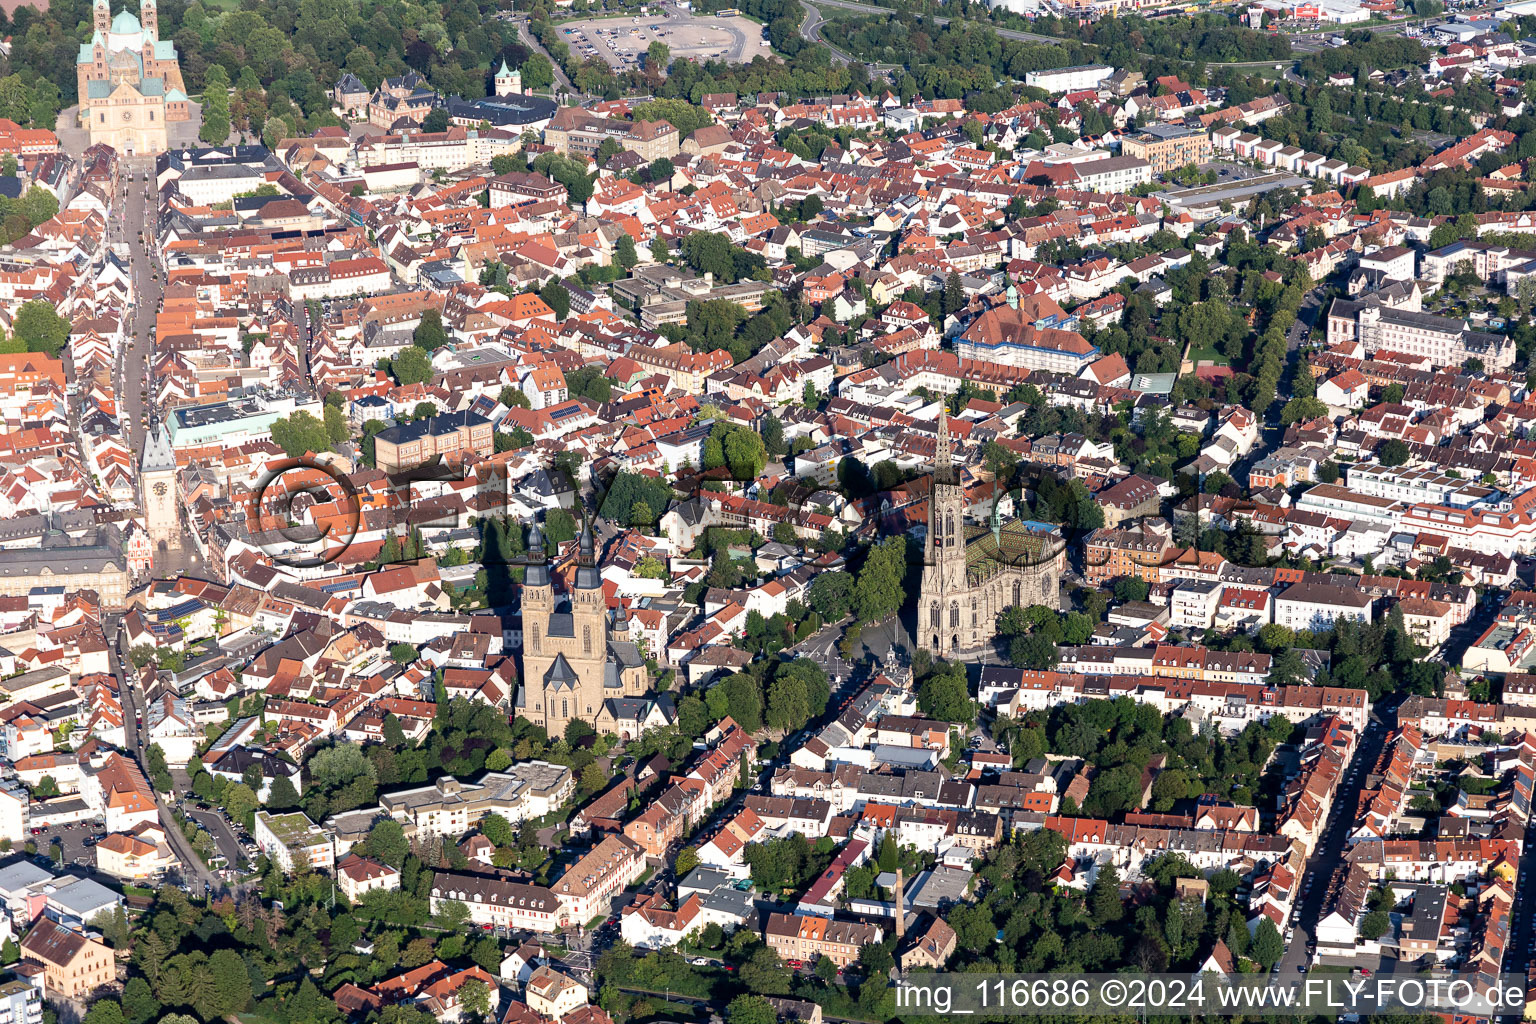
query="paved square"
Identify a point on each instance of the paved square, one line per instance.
(622, 42)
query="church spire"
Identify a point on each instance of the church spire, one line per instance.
(587, 575)
(943, 459)
(536, 564)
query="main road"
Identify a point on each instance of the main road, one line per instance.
(136, 229)
(526, 37)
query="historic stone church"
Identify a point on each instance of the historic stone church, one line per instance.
(130, 81)
(971, 573)
(571, 663)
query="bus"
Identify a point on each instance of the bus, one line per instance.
(729, 12)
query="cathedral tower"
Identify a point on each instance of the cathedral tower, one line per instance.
(149, 18)
(538, 595)
(101, 17)
(943, 551)
(588, 605)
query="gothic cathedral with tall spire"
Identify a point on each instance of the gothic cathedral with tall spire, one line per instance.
(972, 573)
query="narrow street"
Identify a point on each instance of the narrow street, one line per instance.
(193, 870)
(1327, 857)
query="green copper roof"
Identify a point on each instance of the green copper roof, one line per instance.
(505, 71)
(126, 24)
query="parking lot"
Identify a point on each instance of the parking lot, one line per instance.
(622, 42)
(73, 837)
(1228, 171)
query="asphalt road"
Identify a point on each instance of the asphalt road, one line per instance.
(136, 229)
(1327, 856)
(223, 834)
(533, 44)
(193, 870)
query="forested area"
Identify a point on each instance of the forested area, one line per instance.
(1121, 737)
(947, 60)
(1133, 41)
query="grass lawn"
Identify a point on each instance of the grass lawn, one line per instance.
(1207, 354)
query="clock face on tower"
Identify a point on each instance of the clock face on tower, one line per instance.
(160, 489)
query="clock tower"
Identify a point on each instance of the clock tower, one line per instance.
(157, 489)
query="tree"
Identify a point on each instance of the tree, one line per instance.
(402, 653)
(659, 251)
(556, 298)
(687, 860)
(386, 842)
(436, 120)
(954, 293)
(764, 972)
(559, 527)
(879, 591)
(475, 998)
(240, 803)
(750, 1009)
(429, 334)
(229, 984)
(412, 366)
(831, 595)
(301, 432)
(336, 428)
(1268, 947)
(945, 695)
(876, 960)
(1375, 924)
(624, 253)
(41, 327)
(139, 1003)
(341, 778)
(104, 1011)
(657, 55)
(282, 795)
(1393, 453)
